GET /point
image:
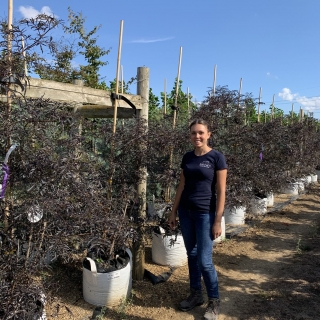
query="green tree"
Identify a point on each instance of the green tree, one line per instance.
(183, 111)
(63, 53)
(251, 111)
(89, 48)
(154, 111)
(61, 68)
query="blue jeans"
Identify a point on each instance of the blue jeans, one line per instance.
(196, 229)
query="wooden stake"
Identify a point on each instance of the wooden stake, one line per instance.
(24, 58)
(138, 246)
(292, 111)
(121, 79)
(188, 103)
(9, 44)
(272, 108)
(117, 77)
(214, 79)
(260, 93)
(240, 91)
(300, 115)
(9, 102)
(177, 91)
(165, 96)
(122, 90)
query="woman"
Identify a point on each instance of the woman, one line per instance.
(200, 199)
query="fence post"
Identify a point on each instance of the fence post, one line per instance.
(138, 246)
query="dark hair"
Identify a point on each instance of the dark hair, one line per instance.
(200, 121)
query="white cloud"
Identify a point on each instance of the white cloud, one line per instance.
(308, 103)
(286, 94)
(270, 75)
(151, 40)
(30, 12)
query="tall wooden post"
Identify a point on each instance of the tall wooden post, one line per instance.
(122, 88)
(138, 246)
(24, 58)
(240, 91)
(188, 97)
(272, 108)
(9, 46)
(260, 93)
(168, 190)
(177, 91)
(165, 96)
(117, 77)
(214, 80)
(239, 97)
(9, 101)
(292, 112)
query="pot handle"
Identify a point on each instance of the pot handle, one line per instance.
(93, 268)
(128, 251)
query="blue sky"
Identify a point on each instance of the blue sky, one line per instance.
(272, 44)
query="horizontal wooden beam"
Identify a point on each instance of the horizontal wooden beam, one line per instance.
(89, 102)
(96, 111)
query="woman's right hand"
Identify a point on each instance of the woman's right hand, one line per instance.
(172, 220)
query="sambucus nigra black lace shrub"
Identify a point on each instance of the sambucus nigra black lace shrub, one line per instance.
(262, 157)
(64, 197)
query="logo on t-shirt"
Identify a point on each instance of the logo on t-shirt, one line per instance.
(205, 164)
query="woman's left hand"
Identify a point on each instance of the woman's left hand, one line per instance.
(216, 229)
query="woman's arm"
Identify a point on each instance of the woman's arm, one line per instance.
(173, 214)
(221, 197)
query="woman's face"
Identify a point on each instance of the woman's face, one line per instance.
(199, 135)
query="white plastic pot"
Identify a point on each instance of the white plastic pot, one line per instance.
(234, 215)
(300, 184)
(223, 233)
(259, 205)
(308, 179)
(43, 302)
(270, 200)
(107, 289)
(314, 178)
(291, 188)
(167, 251)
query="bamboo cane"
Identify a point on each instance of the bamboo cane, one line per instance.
(117, 77)
(292, 112)
(177, 91)
(272, 108)
(167, 194)
(24, 58)
(214, 79)
(260, 92)
(165, 96)
(188, 95)
(109, 194)
(9, 100)
(240, 91)
(122, 85)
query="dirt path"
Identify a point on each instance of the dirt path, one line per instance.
(271, 271)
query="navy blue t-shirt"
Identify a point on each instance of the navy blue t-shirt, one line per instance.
(200, 180)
